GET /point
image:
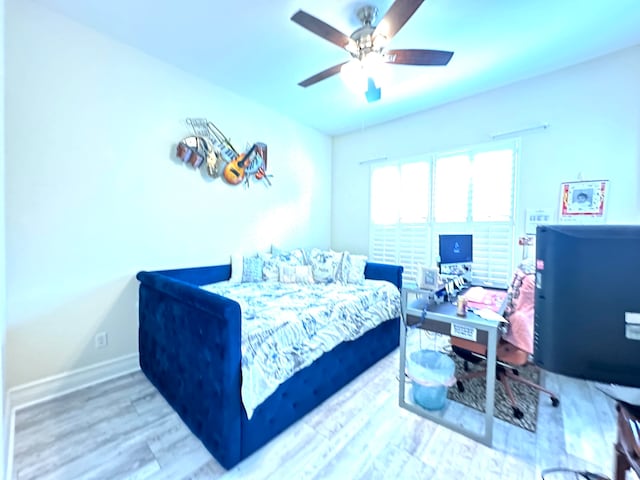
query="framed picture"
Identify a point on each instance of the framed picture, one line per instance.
(535, 217)
(583, 202)
(428, 278)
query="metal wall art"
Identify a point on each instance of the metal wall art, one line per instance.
(209, 146)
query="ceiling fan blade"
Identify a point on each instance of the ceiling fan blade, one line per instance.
(321, 29)
(395, 18)
(418, 57)
(329, 72)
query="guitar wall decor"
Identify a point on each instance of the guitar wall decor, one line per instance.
(209, 146)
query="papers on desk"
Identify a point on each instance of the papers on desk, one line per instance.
(490, 298)
(475, 294)
(488, 314)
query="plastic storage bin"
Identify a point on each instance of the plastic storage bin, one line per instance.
(431, 374)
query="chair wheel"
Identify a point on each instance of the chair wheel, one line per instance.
(460, 386)
(466, 366)
(555, 401)
(517, 413)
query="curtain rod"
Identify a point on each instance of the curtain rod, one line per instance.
(497, 136)
(373, 160)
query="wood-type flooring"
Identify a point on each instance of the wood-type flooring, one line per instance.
(124, 429)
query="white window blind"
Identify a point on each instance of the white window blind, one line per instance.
(470, 191)
(400, 203)
(492, 188)
(451, 188)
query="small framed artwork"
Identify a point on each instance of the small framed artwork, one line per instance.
(428, 278)
(584, 201)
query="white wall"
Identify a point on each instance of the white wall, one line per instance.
(4, 410)
(593, 113)
(94, 193)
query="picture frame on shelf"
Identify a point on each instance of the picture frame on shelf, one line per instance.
(428, 278)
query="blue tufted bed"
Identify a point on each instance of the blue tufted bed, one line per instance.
(190, 349)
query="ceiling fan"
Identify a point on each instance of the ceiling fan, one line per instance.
(369, 41)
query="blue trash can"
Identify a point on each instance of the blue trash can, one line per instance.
(431, 374)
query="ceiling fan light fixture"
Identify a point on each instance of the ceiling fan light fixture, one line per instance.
(380, 42)
(353, 75)
(357, 74)
(376, 67)
(373, 61)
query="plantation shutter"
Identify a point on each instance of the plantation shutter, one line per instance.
(492, 254)
(473, 192)
(451, 189)
(492, 212)
(399, 230)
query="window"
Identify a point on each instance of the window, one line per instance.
(400, 204)
(472, 191)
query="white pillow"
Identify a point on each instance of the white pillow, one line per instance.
(324, 265)
(353, 268)
(272, 262)
(252, 267)
(236, 268)
(296, 274)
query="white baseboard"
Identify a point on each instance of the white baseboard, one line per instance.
(9, 447)
(57, 385)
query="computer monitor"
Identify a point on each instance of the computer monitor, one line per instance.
(455, 249)
(587, 302)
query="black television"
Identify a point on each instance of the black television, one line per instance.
(455, 249)
(587, 302)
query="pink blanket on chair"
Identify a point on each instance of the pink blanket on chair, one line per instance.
(520, 309)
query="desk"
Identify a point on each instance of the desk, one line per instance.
(442, 318)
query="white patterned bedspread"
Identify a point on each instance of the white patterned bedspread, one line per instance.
(286, 326)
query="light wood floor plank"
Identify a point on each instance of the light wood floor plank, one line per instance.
(123, 429)
(267, 460)
(360, 451)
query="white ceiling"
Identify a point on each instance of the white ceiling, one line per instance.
(252, 47)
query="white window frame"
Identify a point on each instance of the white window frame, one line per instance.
(494, 241)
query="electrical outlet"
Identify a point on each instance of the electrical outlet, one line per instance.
(100, 340)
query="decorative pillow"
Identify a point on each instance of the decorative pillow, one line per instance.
(298, 252)
(272, 262)
(353, 268)
(252, 268)
(296, 274)
(324, 265)
(293, 257)
(270, 268)
(236, 268)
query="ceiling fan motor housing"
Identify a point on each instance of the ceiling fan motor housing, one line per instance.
(363, 36)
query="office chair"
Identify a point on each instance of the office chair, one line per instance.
(515, 345)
